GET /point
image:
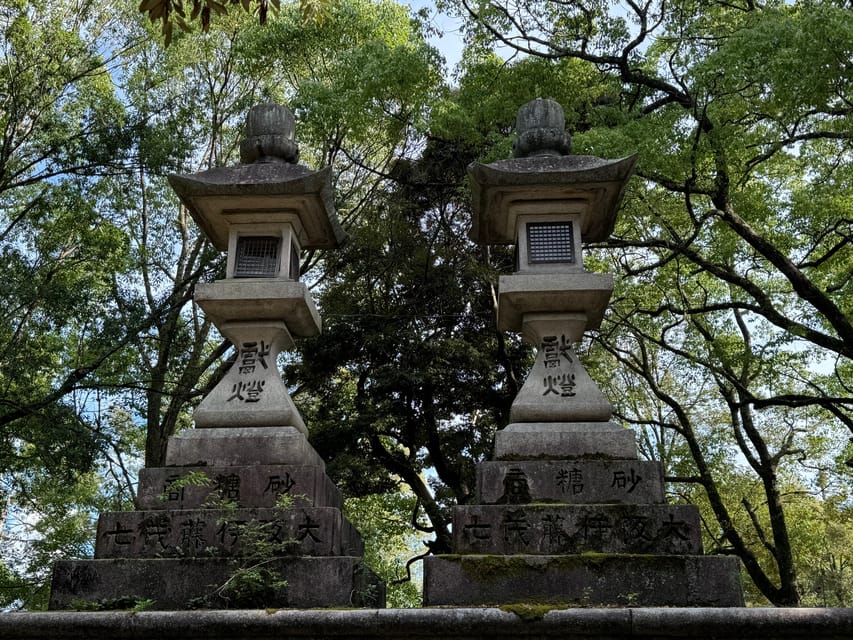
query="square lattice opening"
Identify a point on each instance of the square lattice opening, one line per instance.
(550, 242)
(257, 257)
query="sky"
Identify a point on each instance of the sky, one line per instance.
(450, 41)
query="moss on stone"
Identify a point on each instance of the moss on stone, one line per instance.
(530, 611)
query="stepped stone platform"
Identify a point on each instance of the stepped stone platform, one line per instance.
(188, 540)
(571, 531)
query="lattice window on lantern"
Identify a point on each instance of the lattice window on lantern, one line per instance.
(550, 242)
(257, 256)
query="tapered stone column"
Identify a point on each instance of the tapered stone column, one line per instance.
(566, 512)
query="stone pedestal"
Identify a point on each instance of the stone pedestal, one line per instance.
(204, 519)
(189, 583)
(562, 527)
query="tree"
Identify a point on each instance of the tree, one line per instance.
(61, 131)
(117, 354)
(384, 522)
(732, 316)
(402, 378)
(172, 12)
(410, 378)
(728, 342)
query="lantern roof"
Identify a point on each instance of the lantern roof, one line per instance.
(543, 178)
(267, 188)
(585, 185)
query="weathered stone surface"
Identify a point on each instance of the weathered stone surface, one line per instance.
(265, 190)
(770, 623)
(258, 299)
(254, 486)
(240, 447)
(269, 135)
(520, 294)
(252, 393)
(585, 580)
(557, 388)
(311, 531)
(570, 482)
(593, 185)
(573, 529)
(541, 128)
(181, 583)
(565, 441)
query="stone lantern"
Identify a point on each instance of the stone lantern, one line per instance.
(548, 204)
(566, 513)
(247, 472)
(263, 212)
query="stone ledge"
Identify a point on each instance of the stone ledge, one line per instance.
(246, 486)
(570, 482)
(438, 624)
(180, 583)
(241, 446)
(536, 529)
(584, 580)
(187, 533)
(566, 444)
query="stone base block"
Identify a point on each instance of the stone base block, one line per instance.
(224, 447)
(580, 292)
(312, 531)
(187, 583)
(573, 529)
(570, 482)
(585, 580)
(565, 441)
(255, 486)
(260, 299)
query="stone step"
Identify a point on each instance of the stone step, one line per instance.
(570, 529)
(241, 446)
(583, 580)
(309, 531)
(570, 482)
(565, 441)
(183, 583)
(245, 486)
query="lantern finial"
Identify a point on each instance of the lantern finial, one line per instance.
(269, 135)
(541, 128)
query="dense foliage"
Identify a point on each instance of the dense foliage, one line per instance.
(728, 344)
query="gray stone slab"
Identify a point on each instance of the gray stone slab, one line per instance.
(260, 299)
(565, 441)
(583, 580)
(182, 583)
(312, 531)
(565, 427)
(520, 294)
(255, 486)
(573, 529)
(732, 623)
(224, 447)
(570, 482)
